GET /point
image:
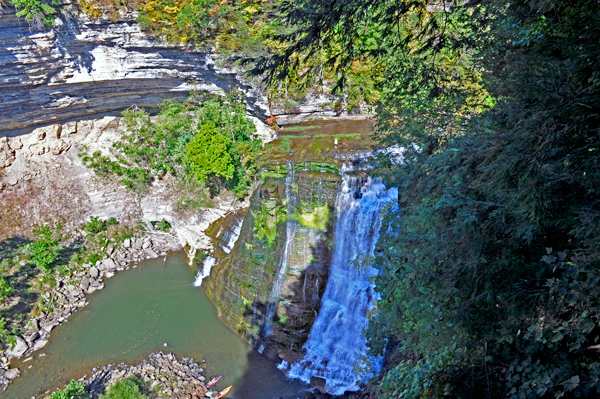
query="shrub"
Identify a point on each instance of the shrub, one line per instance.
(6, 288)
(112, 221)
(95, 225)
(35, 10)
(163, 225)
(45, 249)
(74, 390)
(128, 388)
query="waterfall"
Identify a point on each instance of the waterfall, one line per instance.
(207, 266)
(336, 342)
(290, 232)
(232, 236)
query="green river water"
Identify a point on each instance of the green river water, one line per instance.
(135, 314)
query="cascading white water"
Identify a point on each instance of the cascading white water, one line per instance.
(290, 233)
(207, 266)
(336, 343)
(231, 236)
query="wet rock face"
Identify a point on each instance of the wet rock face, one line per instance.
(83, 67)
(241, 282)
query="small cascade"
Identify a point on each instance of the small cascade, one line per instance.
(290, 232)
(231, 236)
(336, 341)
(191, 254)
(207, 266)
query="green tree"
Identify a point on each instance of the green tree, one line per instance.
(207, 153)
(489, 271)
(74, 390)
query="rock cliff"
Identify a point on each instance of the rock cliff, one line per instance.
(241, 284)
(84, 68)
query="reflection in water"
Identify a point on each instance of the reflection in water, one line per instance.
(137, 312)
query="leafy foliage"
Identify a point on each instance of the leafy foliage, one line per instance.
(163, 225)
(6, 288)
(74, 390)
(178, 143)
(45, 249)
(128, 388)
(496, 104)
(207, 153)
(36, 10)
(95, 225)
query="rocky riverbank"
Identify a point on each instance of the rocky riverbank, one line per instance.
(70, 292)
(165, 376)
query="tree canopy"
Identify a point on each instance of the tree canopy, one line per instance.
(490, 270)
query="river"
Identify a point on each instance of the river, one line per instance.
(135, 314)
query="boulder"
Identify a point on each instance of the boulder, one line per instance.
(32, 337)
(318, 384)
(11, 374)
(19, 348)
(151, 253)
(127, 243)
(49, 325)
(109, 264)
(85, 284)
(39, 344)
(69, 128)
(16, 143)
(146, 244)
(7, 154)
(94, 283)
(94, 272)
(59, 147)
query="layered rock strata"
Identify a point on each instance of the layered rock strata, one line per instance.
(241, 283)
(83, 67)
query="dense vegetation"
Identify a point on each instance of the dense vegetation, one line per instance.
(130, 387)
(204, 145)
(490, 271)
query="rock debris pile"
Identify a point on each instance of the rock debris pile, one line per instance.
(164, 374)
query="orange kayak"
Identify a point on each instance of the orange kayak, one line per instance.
(223, 392)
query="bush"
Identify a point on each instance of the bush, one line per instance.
(35, 10)
(75, 390)
(112, 221)
(6, 288)
(45, 249)
(95, 225)
(128, 388)
(207, 153)
(163, 225)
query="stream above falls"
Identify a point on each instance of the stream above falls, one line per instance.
(139, 310)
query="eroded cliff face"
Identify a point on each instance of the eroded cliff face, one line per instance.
(272, 313)
(42, 179)
(84, 68)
